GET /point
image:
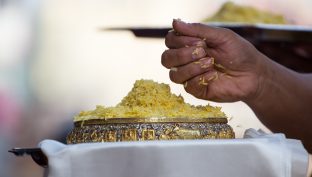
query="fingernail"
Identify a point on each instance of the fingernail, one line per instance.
(172, 30)
(178, 20)
(211, 60)
(199, 43)
(199, 52)
(206, 63)
(185, 84)
(174, 69)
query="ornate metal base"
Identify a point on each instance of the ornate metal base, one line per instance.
(144, 129)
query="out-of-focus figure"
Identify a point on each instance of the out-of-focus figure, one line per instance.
(15, 45)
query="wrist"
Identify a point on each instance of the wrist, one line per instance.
(264, 73)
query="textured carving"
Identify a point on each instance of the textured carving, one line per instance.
(86, 132)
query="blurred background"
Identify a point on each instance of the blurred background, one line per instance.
(55, 61)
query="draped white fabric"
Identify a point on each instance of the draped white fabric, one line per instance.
(257, 155)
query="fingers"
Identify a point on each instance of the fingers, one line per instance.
(174, 41)
(212, 35)
(186, 72)
(182, 56)
(200, 86)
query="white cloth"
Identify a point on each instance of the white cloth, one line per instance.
(257, 155)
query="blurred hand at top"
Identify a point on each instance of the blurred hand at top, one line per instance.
(213, 63)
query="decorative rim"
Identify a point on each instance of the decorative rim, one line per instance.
(221, 120)
(115, 132)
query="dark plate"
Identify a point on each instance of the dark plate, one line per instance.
(36, 153)
(289, 45)
(262, 32)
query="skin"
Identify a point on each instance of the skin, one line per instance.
(280, 97)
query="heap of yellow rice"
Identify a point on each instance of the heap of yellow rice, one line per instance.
(151, 99)
(231, 12)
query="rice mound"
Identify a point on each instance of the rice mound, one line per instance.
(151, 99)
(234, 13)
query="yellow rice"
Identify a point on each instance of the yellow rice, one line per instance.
(151, 99)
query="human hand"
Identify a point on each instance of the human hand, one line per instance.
(213, 63)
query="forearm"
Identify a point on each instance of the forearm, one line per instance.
(284, 102)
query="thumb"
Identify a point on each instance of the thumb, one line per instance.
(208, 33)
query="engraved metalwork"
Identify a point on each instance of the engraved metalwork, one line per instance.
(144, 129)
